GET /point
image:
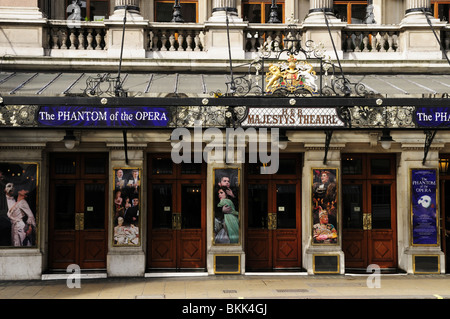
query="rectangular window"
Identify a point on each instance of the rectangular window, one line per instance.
(89, 10)
(164, 11)
(353, 12)
(441, 9)
(259, 11)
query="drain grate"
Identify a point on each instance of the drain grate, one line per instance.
(230, 291)
(292, 290)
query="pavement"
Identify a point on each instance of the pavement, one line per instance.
(233, 287)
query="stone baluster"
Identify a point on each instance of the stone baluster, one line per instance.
(189, 41)
(90, 39)
(197, 41)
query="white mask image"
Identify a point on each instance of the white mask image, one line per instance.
(425, 201)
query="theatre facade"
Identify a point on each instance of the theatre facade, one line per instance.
(283, 159)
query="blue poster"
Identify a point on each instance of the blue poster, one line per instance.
(424, 206)
(84, 116)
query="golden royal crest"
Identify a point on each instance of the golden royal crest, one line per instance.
(293, 76)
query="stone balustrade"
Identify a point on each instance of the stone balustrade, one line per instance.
(183, 37)
(370, 39)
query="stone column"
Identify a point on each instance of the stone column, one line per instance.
(216, 31)
(135, 39)
(417, 40)
(133, 10)
(220, 8)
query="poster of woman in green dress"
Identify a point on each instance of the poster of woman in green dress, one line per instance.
(226, 206)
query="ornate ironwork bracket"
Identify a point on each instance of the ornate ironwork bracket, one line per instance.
(328, 135)
(429, 136)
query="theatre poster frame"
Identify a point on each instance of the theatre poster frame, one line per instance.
(435, 200)
(234, 175)
(130, 233)
(333, 201)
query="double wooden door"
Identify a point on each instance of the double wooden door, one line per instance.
(177, 218)
(78, 211)
(369, 211)
(273, 218)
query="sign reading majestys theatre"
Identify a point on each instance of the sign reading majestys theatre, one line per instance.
(81, 116)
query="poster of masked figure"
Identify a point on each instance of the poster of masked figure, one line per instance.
(424, 207)
(18, 204)
(324, 206)
(226, 206)
(126, 206)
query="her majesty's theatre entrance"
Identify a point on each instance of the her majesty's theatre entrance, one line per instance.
(177, 214)
(78, 210)
(273, 217)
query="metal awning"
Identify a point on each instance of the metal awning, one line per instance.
(53, 84)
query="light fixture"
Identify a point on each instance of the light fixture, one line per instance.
(386, 139)
(283, 140)
(69, 140)
(443, 165)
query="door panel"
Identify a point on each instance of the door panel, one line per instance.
(273, 224)
(369, 218)
(177, 224)
(78, 210)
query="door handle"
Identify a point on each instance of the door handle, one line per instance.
(367, 221)
(79, 221)
(272, 221)
(176, 221)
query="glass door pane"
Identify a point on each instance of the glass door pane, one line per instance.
(162, 206)
(352, 196)
(286, 206)
(94, 206)
(257, 206)
(65, 206)
(381, 206)
(191, 206)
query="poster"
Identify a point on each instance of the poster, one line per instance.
(324, 206)
(226, 206)
(18, 204)
(424, 207)
(126, 206)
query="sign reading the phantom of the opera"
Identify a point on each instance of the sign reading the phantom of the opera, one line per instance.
(83, 116)
(292, 117)
(424, 206)
(433, 117)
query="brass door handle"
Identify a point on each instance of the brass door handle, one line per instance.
(272, 221)
(367, 221)
(176, 221)
(79, 221)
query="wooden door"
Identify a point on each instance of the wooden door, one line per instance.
(78, 211)
(273, 218)
(177, 218)
(369, 212)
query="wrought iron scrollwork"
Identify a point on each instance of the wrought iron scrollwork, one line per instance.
(104, 84)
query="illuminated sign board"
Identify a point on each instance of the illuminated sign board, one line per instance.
(434, 117)
(83, 116)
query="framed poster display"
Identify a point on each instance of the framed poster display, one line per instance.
(227, 228)
(18, 204)
(324, 206)
(126, 206)
(424, 208)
